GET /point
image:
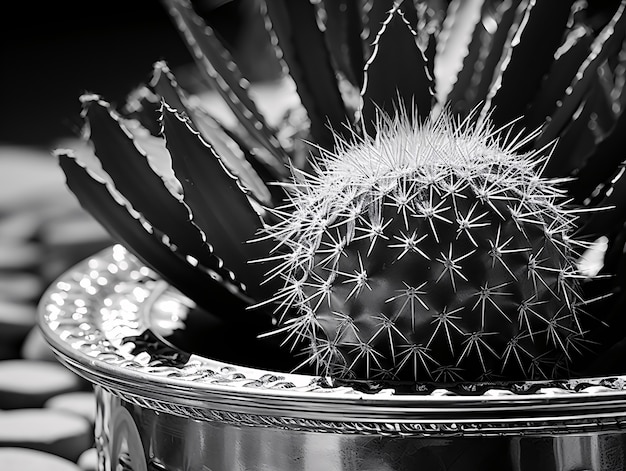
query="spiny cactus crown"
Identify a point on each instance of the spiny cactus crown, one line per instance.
(432, 251)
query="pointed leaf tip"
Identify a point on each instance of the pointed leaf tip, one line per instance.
(397, 68)
(87, 98)
(528, 58)
(208, 290)
(217, 68)
(606, 43)
(123, 158)
(303, 46)
(233, 152)
(217, 200)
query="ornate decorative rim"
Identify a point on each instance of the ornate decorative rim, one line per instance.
(89, 313)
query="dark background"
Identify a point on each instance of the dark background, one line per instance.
(52, 52)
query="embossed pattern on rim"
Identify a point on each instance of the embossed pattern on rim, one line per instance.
(89, 311)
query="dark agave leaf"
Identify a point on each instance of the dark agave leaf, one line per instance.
(143, 105)
(492, 38)
(605, 114)
(610, 211)
(310, 65)
(607, 43)
(609, 305)
(582, 151)
(429, 16)
(593, 180)
(528, 58)
(611, 361)
(396, 75)
(218, 203)
(572, 54)
(373, 15)
(218, 69)
(343, 37)
(204, 286)
(166, 87)
(463, 90)
(129, 167)
(576, 142)
(236, 156)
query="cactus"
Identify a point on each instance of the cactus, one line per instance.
(409, 226)
(433, 252)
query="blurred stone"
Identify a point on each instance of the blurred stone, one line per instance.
(75, 227)
(20, 286)
(16, 321)
(19, 254)
(35, 347)
(58, 432)
(82, 403)
(19, 225)
(16, 318)
(30, 178)
(24, 459)
(69, 239)
(88, 460)
(30, 383)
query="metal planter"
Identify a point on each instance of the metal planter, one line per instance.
(163, 408)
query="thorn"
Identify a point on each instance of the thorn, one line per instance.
(499, 249)
(409, 244)
(475, 342)
(388, 326)
(429, 212)
(411, 295)
(485, 294)
(358, 277)
(514, 349)
(448, 374)
(525, 308)
(418, 355)
(365, 351)
(451, 266)
(373, 232)
(445, 319)
(467, 223)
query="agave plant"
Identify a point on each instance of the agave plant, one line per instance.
(422, 213)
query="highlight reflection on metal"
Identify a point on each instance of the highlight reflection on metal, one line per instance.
(247, 419)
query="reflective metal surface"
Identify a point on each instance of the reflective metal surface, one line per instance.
(145, 439)
(161, 407)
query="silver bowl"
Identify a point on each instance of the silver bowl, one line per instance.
(163, 407)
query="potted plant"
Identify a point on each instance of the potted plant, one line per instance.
(404, 271)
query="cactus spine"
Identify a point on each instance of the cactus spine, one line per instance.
(430, 252)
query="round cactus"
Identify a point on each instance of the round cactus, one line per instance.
(430, 252)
